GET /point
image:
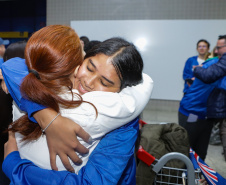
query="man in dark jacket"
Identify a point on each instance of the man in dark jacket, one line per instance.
(216, 105)
(192, 112)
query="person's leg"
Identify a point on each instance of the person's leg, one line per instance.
(198, 133)
(182, 119)
(223, 136)
(191, 128)
(204, 128)
(193, 135)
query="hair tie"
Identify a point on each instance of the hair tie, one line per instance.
(35, 73)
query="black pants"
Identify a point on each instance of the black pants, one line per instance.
(198, 133)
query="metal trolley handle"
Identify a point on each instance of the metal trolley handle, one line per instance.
(149, 159)
(175, 155)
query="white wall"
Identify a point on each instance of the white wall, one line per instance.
(165, 45)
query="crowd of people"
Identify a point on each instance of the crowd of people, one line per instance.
(204, 100)
(97, 90)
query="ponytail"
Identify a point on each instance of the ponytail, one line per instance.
(52, 55)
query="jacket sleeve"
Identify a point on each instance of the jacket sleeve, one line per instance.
(213, 72)
(187, 72)
(14, 70)
(106, 164)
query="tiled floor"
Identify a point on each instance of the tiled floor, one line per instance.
(214, 158)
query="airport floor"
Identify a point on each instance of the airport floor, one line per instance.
(214, 158)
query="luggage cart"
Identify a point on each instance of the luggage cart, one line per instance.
(170, 175)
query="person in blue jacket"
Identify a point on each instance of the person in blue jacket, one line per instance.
(203, 50)
(216, 105)
(122, 173)
(192, 112)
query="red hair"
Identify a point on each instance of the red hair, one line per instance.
(54, 52)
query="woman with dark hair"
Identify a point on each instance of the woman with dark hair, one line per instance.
(103, 70)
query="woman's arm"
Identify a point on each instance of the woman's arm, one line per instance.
(111, 161)
(58, 134)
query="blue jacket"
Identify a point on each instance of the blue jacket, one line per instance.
(188, 73)
(13, 79)
(195, 100)
(112, 161)
(216, 105)
(1, 61)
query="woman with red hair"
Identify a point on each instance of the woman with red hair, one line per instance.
(55, 82)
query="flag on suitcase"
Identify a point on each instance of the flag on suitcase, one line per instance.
(211, 176)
